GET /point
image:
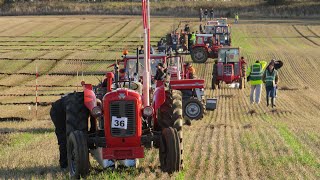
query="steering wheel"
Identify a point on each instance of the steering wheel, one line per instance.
(125, 84)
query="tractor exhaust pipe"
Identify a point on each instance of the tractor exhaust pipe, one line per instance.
(146, 73)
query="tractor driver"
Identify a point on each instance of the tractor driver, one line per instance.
(190, 71)
(161, 72)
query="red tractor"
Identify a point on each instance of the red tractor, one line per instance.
(228, 68)
(206, 46)
(117, 126)
(192, 90)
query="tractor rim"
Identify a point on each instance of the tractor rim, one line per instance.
(199, 55)
(192, 110)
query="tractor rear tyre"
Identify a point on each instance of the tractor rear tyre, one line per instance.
(78, 155)
(170, 112)
(170, 152)
(76, 113)
(199, 55)
(193, 109)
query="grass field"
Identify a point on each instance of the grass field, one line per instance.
(229, 143)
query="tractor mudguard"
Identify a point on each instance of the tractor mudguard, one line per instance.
(90, 100)
(184, 84)
(159, 97)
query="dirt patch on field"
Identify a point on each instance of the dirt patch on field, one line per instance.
(278, 111)
(247, 126)
(252, 111)
(226, 96)
(13, 119)
(4, 139)
(212, 126)
(286, 88)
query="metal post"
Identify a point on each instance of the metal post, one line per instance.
(37, 91)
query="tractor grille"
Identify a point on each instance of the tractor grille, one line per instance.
(123, 109)
(227, 70)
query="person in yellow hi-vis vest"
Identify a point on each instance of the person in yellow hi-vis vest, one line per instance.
(254, 76)
(236, 18)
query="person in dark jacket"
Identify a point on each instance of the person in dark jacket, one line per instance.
(211, 14)
(205, 14)
(58, 117)
(271, 80)
(160, 73)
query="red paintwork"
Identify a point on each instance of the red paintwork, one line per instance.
(187, 84)
(123, 153)
(110, 77)
(159, 97)
(117, 144)
(90, 100)
(228, 78)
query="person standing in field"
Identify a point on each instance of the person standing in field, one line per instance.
(205, 14)
(211, 14)
(271, 79)
(236, 18)
(201, 14)
(254, 76)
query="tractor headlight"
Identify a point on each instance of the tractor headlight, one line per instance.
(96, 111)
(148, 111)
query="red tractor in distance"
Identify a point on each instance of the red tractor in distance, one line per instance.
(228, 68)
(192, 90)
(126, 120)
(206, 46)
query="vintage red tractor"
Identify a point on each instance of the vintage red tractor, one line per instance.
(206, 46)
(117, 126)
(192, 90)
(228, 68)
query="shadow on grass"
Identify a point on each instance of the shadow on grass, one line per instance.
(27, 130)
(33, 172)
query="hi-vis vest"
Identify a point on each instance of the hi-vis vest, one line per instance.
(193, 37)
(271, 78)
(256, 72)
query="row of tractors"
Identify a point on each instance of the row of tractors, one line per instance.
(213, 41)
(119, 118)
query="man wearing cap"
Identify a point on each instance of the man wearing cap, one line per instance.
(271, 79)
(254, 76)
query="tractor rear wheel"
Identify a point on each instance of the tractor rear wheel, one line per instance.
(78, 155)
(76, 113)
(193, 108)
(170, 112)
(170, 152)
(199, 55)
(170, 116)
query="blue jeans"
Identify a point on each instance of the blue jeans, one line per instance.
(271, 91)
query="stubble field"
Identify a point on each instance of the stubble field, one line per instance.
(236, 141)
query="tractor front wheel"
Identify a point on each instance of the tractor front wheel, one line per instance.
(78, 155)
(193, 109)
(199, 55)
(170, 152)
